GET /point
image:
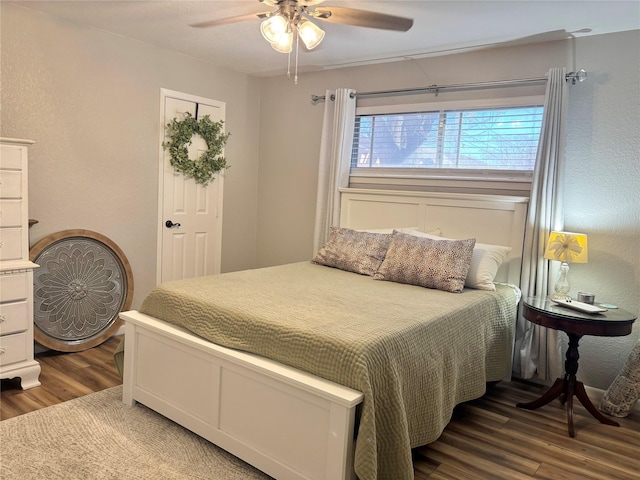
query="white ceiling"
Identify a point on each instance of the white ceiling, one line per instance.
(439, 27)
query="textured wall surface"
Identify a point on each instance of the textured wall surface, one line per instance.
(602, 197)
(91, 102)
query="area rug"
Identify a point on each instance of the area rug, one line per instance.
(98, 437)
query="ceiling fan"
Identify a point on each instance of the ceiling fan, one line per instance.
(293, 18)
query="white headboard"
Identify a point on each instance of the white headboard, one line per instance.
(491, 219)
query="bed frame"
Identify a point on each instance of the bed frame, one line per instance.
(287, 423)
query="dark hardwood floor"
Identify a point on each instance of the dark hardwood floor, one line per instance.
(487, 438)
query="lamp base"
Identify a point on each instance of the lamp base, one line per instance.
(561, 286)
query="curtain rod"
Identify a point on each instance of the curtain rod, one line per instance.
(579, 76)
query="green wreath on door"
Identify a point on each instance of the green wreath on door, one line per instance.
(212, 161)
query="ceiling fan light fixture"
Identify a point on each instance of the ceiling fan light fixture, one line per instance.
(310, 34)
(294, 17)
(284, 43)
(273, 27)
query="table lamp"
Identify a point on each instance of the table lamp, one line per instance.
(565, 247)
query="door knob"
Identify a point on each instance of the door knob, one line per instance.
(170, 224)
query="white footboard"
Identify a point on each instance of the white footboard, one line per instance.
(287, 423)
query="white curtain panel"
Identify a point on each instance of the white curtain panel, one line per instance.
(537, 349)
(335, 160)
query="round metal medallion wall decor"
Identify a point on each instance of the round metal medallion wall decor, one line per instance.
(83, 283)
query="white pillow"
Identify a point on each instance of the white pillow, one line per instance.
(485, 261)
(388, 231)
(437, 232)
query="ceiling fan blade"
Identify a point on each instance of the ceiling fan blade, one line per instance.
(363, 18)
(224, 21)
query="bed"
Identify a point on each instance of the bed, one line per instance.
(286, 374)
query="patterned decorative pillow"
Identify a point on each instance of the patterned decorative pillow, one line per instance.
(439, 264)
(485, 261)
(358, 252)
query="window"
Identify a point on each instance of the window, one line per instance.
(462, 145)
(501, 139)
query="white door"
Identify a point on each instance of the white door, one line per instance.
(190, 216)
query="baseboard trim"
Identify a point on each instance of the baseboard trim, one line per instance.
(596, 394)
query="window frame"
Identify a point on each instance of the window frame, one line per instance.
(510, 181)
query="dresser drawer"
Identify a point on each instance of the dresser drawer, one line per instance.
(13, 348)
(13, 317)
(10, 184)
(11, 247)
(11, 157)
(13, 287)
(10, 213)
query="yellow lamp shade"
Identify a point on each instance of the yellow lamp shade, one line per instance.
(567, 247)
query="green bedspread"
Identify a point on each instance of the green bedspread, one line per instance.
(415, 353)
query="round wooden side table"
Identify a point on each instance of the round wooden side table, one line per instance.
(576, 324)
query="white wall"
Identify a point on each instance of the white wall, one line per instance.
(91, 102)
(603, 165)
(602, 195)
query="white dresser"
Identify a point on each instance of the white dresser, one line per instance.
(16, 271)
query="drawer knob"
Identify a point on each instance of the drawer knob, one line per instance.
(2, 318)
(2, 350)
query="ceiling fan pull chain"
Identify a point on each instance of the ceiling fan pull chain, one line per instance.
(289, 28)
(295, 78)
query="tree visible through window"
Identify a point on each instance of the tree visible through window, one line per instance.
(487, 139)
